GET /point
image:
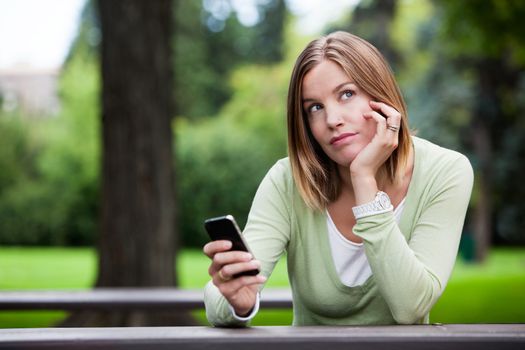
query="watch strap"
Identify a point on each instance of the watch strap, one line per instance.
(381, 204)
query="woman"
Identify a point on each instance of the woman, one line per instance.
(370, 216)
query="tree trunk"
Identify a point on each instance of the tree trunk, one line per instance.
(488, 121)
(137, 230)
(482, 217)
(137, 242)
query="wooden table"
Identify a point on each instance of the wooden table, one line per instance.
(449, 337)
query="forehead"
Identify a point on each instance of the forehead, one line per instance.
(326, 75)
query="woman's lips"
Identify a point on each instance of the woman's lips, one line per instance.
(339, 138)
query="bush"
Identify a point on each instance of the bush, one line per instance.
(219, 168)
(49, 184)
(221, 161)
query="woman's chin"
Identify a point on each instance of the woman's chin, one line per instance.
(344, 162)
(344, 159)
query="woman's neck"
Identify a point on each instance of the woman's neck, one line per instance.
(346, 181)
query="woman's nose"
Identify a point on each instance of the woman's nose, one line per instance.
(334, 117)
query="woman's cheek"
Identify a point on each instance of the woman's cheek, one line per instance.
(370, 130)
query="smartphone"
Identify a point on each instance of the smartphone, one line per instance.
(225, 228)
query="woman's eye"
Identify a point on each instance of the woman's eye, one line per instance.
(347, 94)
(314, 108)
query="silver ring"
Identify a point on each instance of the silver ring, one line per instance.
(392, 128)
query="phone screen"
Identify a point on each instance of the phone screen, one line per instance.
(225, 228)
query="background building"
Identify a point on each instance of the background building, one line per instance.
(33, 91)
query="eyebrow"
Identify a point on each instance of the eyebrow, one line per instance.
(337, 88)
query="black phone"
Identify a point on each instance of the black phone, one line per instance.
(225, 228)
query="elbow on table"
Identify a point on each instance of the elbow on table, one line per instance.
(408, 316)
(412, 312)
(414, 307)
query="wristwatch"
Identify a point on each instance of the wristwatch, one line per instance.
(380, 204)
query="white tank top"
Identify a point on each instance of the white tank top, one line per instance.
(349, 257)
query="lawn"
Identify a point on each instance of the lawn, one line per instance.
(491, 292)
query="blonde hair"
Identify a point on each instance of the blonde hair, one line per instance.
(315, 174)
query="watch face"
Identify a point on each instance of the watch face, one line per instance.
(384, 200)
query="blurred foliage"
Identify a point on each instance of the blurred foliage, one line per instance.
(53, 164)
(473, 88)
(372, 20)
(52, 198)
(49, 182)
(221, 161)
(17, 157)
(210, 42)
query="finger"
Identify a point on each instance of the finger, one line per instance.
(379, 119)
(387, 110)
(393, 128)
(393, 116)
(214, 247)
(221, 259)
(222, 277)
(231, 287)
(228, 272)
(387, 139)
(231, 257)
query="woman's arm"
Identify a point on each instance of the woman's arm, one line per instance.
(267, 233)
(412, 275)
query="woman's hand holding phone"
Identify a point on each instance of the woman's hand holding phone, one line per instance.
(233, 269)
(226, 272)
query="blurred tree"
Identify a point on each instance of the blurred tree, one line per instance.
(63, 176)
(87, 41)
(224, 158)
(18, 190)
(264, 42)
(210, 42)
(372, 20)
(469, 97)
(15, 160)
(137, 243)
(487, 40)
(52, 198)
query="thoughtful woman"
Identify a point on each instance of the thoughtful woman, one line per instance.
(370, 217)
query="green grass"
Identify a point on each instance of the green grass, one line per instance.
(75, 268)
(492, 292)
(43, 268)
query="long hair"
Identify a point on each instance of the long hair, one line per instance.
(315, 174)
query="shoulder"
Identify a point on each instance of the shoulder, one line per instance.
(440, 168)
(282, 165)
(278, 179)
(435, 158)
(280, 172)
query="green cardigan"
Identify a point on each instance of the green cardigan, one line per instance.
(411, 262)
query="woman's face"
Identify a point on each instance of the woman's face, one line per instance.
(335, 106)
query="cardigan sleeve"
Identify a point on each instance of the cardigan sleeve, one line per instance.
(412, 275)
(267, 233)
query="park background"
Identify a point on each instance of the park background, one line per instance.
(460, 65)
